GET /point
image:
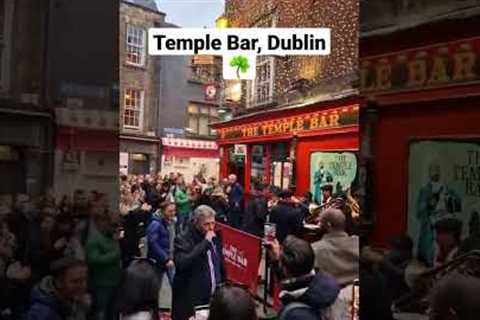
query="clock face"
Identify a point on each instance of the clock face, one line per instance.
(210, 91)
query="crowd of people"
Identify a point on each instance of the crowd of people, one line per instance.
(78, 259)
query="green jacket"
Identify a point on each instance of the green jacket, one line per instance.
(104, 260)
(182, 202)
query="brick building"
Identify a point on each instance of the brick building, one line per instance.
(139, 88)
(300, 112)
(293, 78)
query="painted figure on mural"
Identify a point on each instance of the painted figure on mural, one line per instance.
(321, 177)
(435, 201)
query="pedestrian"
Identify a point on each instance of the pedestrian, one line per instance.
(161, 233)
(337, 253)
(235, 199)
(256, 212)
(138, 296)
(63, 294)
(182, 203)
(233, 303)
(134, 224)
(104, 263)
(199, 264)
(286, 217)
(305, 295)
(219, 204)
(394, 265)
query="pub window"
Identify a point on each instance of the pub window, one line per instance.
(281, 168)
(259, 165)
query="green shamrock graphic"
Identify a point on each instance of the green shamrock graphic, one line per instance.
(241, 63)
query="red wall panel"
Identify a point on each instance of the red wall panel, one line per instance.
(396, 127)
(305, 146)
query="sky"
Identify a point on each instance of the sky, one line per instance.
(192, 13)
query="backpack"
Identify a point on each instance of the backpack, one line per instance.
(292, 306)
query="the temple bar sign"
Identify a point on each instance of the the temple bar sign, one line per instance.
(435, 66)
(336, 118)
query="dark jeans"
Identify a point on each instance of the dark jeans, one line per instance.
(104, 299)
(235, 217)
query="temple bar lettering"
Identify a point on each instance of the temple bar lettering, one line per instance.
(290, 125)
(428, 67)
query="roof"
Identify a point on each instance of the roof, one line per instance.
(146, 4)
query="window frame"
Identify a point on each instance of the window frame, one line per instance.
(252, 98)
(140, 109)
(195, 116)
(142, 48)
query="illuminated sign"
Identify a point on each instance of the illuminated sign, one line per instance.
(434, 66)
(336, 118)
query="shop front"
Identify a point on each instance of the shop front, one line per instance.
(423, 138)
(191, 157)
(292, 147)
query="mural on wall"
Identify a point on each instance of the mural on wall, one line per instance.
(444, 182)
(338, 169)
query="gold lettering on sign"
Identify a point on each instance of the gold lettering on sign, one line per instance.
(364, 73)
(464, 65)
(300, 123)
(286, 126)
(278, 128)
(417, 71)
(439, 71)
(334, 120)
(314, 122)
(384, 75)
(323, 122)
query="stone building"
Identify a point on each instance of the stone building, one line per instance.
(186, 110)
(139, 88)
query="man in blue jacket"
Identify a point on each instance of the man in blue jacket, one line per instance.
(160, 239)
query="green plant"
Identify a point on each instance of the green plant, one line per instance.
(241, 63)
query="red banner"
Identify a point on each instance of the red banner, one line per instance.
(242, 253)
